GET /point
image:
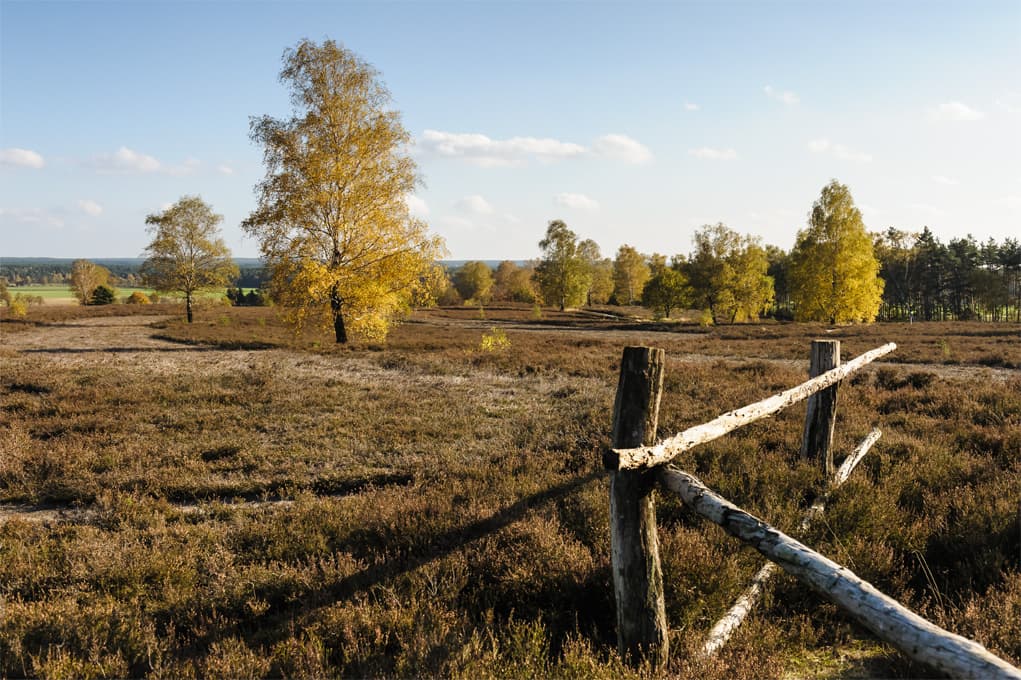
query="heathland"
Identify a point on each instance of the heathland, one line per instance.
(229, 499)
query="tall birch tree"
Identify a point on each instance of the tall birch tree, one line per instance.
(834, 273)
(332, 222)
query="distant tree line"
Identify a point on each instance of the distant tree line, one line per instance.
(837, 272)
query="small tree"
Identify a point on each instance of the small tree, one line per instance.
(630, 273)
(5, 295)
(474, 282)
(187, 254)
(666, 291)
(86, 276)
(103, 295)
(562, 274)
(600, 273)
(514, 283)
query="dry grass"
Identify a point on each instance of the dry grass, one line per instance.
(449, 515)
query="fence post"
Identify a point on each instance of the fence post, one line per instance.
(637, 573)
(816, 444)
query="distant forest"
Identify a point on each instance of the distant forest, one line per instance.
(924, 278)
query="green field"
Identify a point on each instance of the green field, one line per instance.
(63, 294)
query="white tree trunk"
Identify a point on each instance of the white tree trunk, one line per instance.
(888, 619)
(730, 622)
(665, 451)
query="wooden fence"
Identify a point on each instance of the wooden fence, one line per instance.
(637, 464)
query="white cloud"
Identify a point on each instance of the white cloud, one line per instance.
(25, 158)
(225, 170)
(416, 206)
(709, 153)
(786, 96)
(690, 106)
(474, 204)
(838, 151)
(125, 160)
(955, 111)
(481, 150)
(576, 202)
(90, 207)
(942, 179)
(31, 217)
(622, 148)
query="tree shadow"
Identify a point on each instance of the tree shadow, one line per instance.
(278, 621)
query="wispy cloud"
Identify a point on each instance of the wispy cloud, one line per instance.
(417, 206)
(690, 106)
(90, 207)
(839, 151)
(576, 202)
(709, 153)
(30, 217)
(474, 204)
(483, 151)
(955, 111)
(125, 161)
(622, 148)
(786, 96)
(944, 180)
(25, 158)
(225, 170)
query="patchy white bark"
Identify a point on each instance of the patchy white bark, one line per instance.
(665, 451)
(730, 622)
(888, 619)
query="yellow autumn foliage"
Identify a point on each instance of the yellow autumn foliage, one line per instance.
(332, 222)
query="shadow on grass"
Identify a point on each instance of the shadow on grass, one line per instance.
(278, 621)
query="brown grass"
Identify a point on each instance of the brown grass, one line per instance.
(448, 514)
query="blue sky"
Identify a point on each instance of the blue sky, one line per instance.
(633, 122)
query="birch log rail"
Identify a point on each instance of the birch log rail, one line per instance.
(662, 453)
(888, 619)
(730, 621)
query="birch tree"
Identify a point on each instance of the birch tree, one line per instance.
(332, 223)
(834, 274)
(187, 254)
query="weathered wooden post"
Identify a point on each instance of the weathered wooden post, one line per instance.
(637, 574)
(816, 444)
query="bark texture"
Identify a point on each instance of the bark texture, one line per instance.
(637, 574)
(919, 639)
(638, 457)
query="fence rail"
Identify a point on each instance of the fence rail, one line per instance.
(636, 464)
(640, 457)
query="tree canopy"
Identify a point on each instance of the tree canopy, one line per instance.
(331, 220)
(630, 273)
(187, 253)
(474, 282)
(563, 275)
(834, 274)
(86, 276)
(727, 273)
(666, 291)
